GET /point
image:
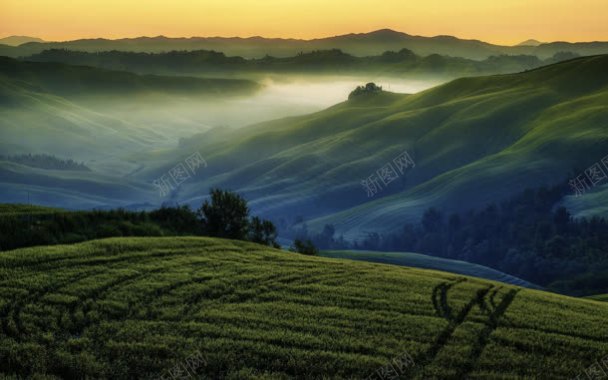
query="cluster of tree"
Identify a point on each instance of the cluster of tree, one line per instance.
(368, 89)
(45, 161)
(528, 236)
(225, 215)
(335, 60)
(305, 247)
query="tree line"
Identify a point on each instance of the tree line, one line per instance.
(331, 59)
(529, 236)
(224, 215)
(45, 161)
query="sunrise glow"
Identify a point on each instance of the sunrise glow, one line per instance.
(505, 22)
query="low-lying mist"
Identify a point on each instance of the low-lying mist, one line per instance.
(280, 96)
(115, 133)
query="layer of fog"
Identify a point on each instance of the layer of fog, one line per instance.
(120, 134)
(280, 96)
(288, 96)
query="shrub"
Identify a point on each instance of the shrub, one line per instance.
(304, 247)
(370, 88)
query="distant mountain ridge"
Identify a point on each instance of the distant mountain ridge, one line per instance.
(66, 80)
(530, 42)
(358, 44)
(326, 61)
(18, 40)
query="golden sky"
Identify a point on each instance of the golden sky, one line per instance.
(497, 21)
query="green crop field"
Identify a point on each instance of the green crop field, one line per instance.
(140, 308)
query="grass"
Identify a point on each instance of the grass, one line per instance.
(418, 260)
(20, 209)
(136, 308)
(599, 297)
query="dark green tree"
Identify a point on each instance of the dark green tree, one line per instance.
(304, 247)
(226, 215)
(370, 88)
(263, 232)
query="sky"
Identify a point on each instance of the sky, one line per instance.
(504, 22)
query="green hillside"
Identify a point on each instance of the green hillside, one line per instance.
(418, 260)
(20, 209)
(34, 121)
(74, 189)
(86, 112)
(599, 297)
(473, 140)
(139, 308)
(61, 79)
(96, 116)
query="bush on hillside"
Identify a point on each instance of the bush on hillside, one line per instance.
(304, 247)
(370, 88)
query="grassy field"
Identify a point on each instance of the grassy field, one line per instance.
(599, 297)
(138, 308)
(418, 260)
(20, 209)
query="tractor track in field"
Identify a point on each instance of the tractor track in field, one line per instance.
(440, 298)
(440, 303)
(13, 310)
(484, 336)
(485, 299)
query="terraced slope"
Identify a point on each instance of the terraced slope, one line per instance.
(137, 308)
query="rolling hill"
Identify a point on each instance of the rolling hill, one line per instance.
(97, 116)
(75, 190)
(473, 140)
(65, 80)
(140, 308)
(599, 297)
(358, 44)
(417, 260)
(530, 42)
(18, 40)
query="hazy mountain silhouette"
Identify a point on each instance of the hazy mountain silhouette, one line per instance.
(530, 42)
(359, 44)
(18, 40)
